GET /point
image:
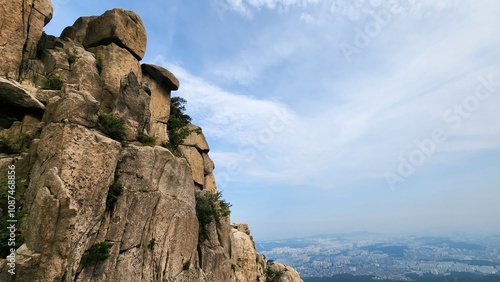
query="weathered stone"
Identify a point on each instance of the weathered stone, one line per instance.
(161, 75)
(154, 220)
(158, 130)
(20, 31)
(209, 184)
(152, 223)
(244, 254)
(242, 227)
(215, 252)
(195, 161)
(85, 76)
(196, 138)
(288, 274)
(208, 164)
(261, 268)
(33, 74)
(132, 106)
(30, 262)
(13, 93)
(75, 107)
(160, 109)
(44, 96)
(46, 42)
(124, 28)
(32, 125)
(21, 132)
(66, 197)
(55, 59)
(78, 30)
(116, 63)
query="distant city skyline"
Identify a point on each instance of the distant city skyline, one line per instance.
(388, 257)
(337, 116)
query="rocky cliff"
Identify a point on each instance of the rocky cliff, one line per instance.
(96, 196)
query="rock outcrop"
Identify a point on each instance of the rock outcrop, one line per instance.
(13, 93)
(124, 28)
(99, 207)
(21, 25)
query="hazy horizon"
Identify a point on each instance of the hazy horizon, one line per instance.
(337, 116)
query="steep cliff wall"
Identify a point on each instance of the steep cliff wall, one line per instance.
(81, 120)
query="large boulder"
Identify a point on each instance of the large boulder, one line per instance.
(162, 76)
(124, 28)
(78, 31)
(22, 22)
(196, 138)
(14, 94)
(283, 272)
(195, 161)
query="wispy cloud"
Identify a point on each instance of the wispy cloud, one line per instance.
(224, 115)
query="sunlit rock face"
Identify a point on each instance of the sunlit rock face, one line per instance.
(101, 203)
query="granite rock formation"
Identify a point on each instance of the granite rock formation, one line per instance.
(98, 207)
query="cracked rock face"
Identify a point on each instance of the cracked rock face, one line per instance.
(20, 32)
(66, 196)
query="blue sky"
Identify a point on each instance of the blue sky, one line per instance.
(337, 116)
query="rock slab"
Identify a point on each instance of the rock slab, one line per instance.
(124, 28)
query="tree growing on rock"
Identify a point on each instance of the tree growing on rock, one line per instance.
(177, 123)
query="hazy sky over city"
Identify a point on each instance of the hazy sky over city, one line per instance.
(337, 116)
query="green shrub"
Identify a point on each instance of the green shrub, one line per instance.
(145, 139)
(177, 122)
(99, 65)
(210, 207)
(72, 56)
(152, 243)
(172, 149)
(114, 193)
(113, 127)
(186, 265)
(7, 146)
(97, 253)
(21, 144)
(53, 82)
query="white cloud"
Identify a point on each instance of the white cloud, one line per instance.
(353, 10)
(361, 124)
(223, 115)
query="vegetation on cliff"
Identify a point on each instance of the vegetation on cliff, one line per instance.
(210, 207)
(177, 124)
(113, 127)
